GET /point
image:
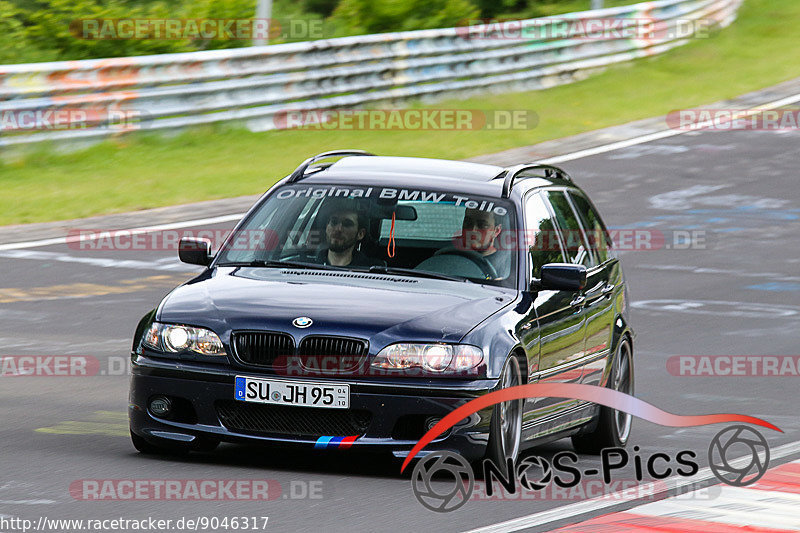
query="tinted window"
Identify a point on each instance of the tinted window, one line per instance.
(577, 250)
(432, 222)
(540, 234)
(595, 230)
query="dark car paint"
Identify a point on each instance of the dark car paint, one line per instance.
(380, 308)
(501, 321)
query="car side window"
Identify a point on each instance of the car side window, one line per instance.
(578, 251)
(599, 240)
(540, 235)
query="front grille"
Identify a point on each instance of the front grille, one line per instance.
(317, 355)
(290, 420)
(261, 348)
(314, 345)
(326, 356)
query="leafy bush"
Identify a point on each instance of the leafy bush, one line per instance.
(37, 31)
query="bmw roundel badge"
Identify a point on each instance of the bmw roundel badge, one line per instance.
(302, 322)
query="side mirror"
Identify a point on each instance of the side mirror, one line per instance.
(195, 251)
(561, 277)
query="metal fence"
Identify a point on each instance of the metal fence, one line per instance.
(254, 85)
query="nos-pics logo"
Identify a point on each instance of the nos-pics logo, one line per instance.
(738, 455)
(445, 481)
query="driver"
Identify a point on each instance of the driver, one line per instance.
(344, 230)
(479, 232)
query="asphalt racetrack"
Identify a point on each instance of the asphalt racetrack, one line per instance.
(732, 288)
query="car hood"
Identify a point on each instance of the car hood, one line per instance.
(381, 308)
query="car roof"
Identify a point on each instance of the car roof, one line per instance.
(435, 168)
(476, 178)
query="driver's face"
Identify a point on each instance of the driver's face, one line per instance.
(342, 231)
(479, 230)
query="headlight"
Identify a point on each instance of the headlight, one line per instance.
(174, 339)
(438, 358)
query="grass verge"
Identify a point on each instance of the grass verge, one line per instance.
(144, 171)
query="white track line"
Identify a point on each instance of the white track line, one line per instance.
(135, 231)
(551, 161)
(618, 498)
(169, 264)
(665, 134)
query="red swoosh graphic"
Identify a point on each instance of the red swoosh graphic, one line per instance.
(590, 393)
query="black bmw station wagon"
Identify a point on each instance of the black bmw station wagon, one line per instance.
(363, 298)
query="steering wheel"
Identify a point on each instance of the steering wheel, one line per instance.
(480, 261)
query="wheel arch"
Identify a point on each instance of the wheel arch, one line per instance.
(522, 357)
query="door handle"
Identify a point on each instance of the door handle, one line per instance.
(578, 301)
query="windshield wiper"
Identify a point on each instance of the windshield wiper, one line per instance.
(377, 269)
(279, 264)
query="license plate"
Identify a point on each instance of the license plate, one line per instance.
(303, 393)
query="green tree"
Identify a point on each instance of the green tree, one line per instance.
(324, 8)
(379, 16)
(493, 8)
(13, 44)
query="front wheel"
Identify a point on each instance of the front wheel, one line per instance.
(614, 427)
(505, 430)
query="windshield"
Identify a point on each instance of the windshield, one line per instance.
(380, 229)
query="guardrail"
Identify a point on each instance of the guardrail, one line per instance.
(254, 85)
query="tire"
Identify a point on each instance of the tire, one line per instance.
(613, 427)
(505, 429)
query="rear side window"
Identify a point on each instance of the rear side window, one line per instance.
(540, 235)
(577, 249)
(599, 240)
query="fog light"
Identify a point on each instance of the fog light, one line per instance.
(160, 406)
(430, 422)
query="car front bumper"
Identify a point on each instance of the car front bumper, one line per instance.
(398, 410)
